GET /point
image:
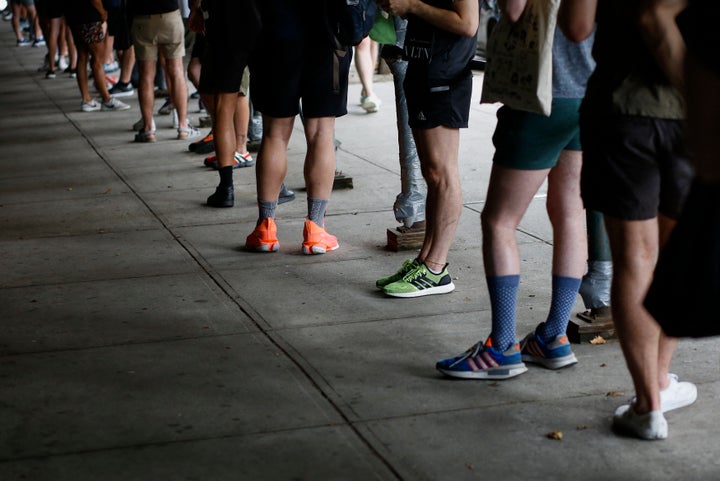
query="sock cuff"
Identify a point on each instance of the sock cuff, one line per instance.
(503, 281)
(561, 282)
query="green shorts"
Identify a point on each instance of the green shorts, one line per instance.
(530, 141)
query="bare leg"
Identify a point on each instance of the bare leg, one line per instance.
(224, 128)
(178, 88)
(320, 157)
(438, 151)
(146, 91)
(271, 165)
(365, 61)
(567, 215)
(82, 75)
(509, 195)
(242, 120)
(634, 246)
(97, 51)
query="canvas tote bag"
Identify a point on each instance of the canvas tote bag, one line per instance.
(518, 72)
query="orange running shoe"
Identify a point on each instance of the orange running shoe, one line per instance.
(316, 240)
(263, 238)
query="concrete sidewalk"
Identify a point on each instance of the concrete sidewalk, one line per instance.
(140, 342)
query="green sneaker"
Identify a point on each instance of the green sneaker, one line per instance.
(407, 266)
(421, 282)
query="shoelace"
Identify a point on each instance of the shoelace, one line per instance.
(419, 271)
(472, 352)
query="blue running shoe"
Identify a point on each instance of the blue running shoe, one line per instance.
(553, 355)
(482, 361)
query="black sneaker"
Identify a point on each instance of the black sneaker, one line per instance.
(223, 197)
(125, 90)
(50, 74)
(204, 145)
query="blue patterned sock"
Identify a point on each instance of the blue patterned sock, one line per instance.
(564, 291)
(503, 297)
(316, 210)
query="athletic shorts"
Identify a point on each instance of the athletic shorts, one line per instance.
(226, 45)
(163, 32)
(118, 26)
(443, 105)
(87, 33)
(198, 49)
(530, 141)
(634, 167)
(49, 8)
(26, 3)
(294, 61)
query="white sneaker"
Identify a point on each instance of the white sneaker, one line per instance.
(648, 426)
(371, 104)
(91, 106)
(676, 395)
(115, 104)
(63, 62)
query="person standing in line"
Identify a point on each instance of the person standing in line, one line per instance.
(366, 55)
(295, 61)
(157, 26)
(227, 48)
(631, 130)
(531, 148)
(87, 21)
(439, 44)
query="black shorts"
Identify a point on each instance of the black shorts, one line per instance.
(634, 167)
(445, 105)
(49, 8)
(198, 49)
(118, 25)
(294, 61)
(227, 45)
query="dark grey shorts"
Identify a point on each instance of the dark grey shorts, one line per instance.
(634, 167)
(442, 105)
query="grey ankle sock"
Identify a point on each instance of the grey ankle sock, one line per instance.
(266, 209)
(316, 210)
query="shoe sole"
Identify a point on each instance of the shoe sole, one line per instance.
(271, 247)
(203, 148)
(123, 94)
(287, 198)
(555, 363)
(500, 372)
(316, 249)
(424, 292)
(624, 424)
(221, 204)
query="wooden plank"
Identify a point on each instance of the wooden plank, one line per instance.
(403, 238)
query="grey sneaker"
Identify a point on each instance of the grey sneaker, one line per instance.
(166, 108)
(115, 104)
(92, 106)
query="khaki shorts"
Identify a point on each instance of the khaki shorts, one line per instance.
(163, 32)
